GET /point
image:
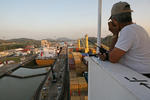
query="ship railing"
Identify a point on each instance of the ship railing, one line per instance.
(108, 81)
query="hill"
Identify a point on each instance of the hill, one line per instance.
(50, 40)
(63, 39)
(17, 43)
(25, 41)
(106, 41)
(3, 41)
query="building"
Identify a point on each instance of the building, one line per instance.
(45, 43)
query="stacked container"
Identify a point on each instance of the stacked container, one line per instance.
(71, 62)
(79, 98)
(78, 84)
(80, 66)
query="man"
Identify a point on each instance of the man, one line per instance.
(130, 42)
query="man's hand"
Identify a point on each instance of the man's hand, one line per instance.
(102, 56)
(113, 27)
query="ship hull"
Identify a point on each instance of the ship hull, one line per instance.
(45, 62)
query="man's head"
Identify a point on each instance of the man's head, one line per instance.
(120, 17)
(121, 12)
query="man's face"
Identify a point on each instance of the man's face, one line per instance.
(113, 26)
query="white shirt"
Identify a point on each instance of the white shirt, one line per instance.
(136, 42)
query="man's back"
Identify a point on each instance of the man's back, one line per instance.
(136, 42)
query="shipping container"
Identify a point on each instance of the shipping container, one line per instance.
(70, 56)
(74, 84)
(77, 54)
(72, 74)
(72, 67)
(83, 86)
(70, 50)
(77, 49)
(78, 84)
(71, 61)
(77, 60)
(81, 69)
(75, 98)
(86, 98)
(79, 97)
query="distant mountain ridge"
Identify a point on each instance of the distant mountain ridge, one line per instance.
(20, 40)
(18, 43)
(25, 41)
(63, 39)
(58, 39)
(2, 41)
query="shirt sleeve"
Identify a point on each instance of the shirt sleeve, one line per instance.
(125, 40)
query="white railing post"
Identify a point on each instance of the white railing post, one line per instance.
(99, 24)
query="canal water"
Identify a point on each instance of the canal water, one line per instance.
(29, 72)
(12, 88)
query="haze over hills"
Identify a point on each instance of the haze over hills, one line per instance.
(27, 40)
(20, 41)
(2, 41)
(23, 42)
(59, 39)
(63, 39)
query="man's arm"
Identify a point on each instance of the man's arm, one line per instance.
(115, 55)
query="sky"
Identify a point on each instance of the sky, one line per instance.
(41, 19)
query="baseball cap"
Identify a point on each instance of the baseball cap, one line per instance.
(120, 7)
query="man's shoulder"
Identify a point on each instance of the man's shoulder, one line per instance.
(132, 29)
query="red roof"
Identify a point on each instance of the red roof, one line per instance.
(25, 50)
(29, 46)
